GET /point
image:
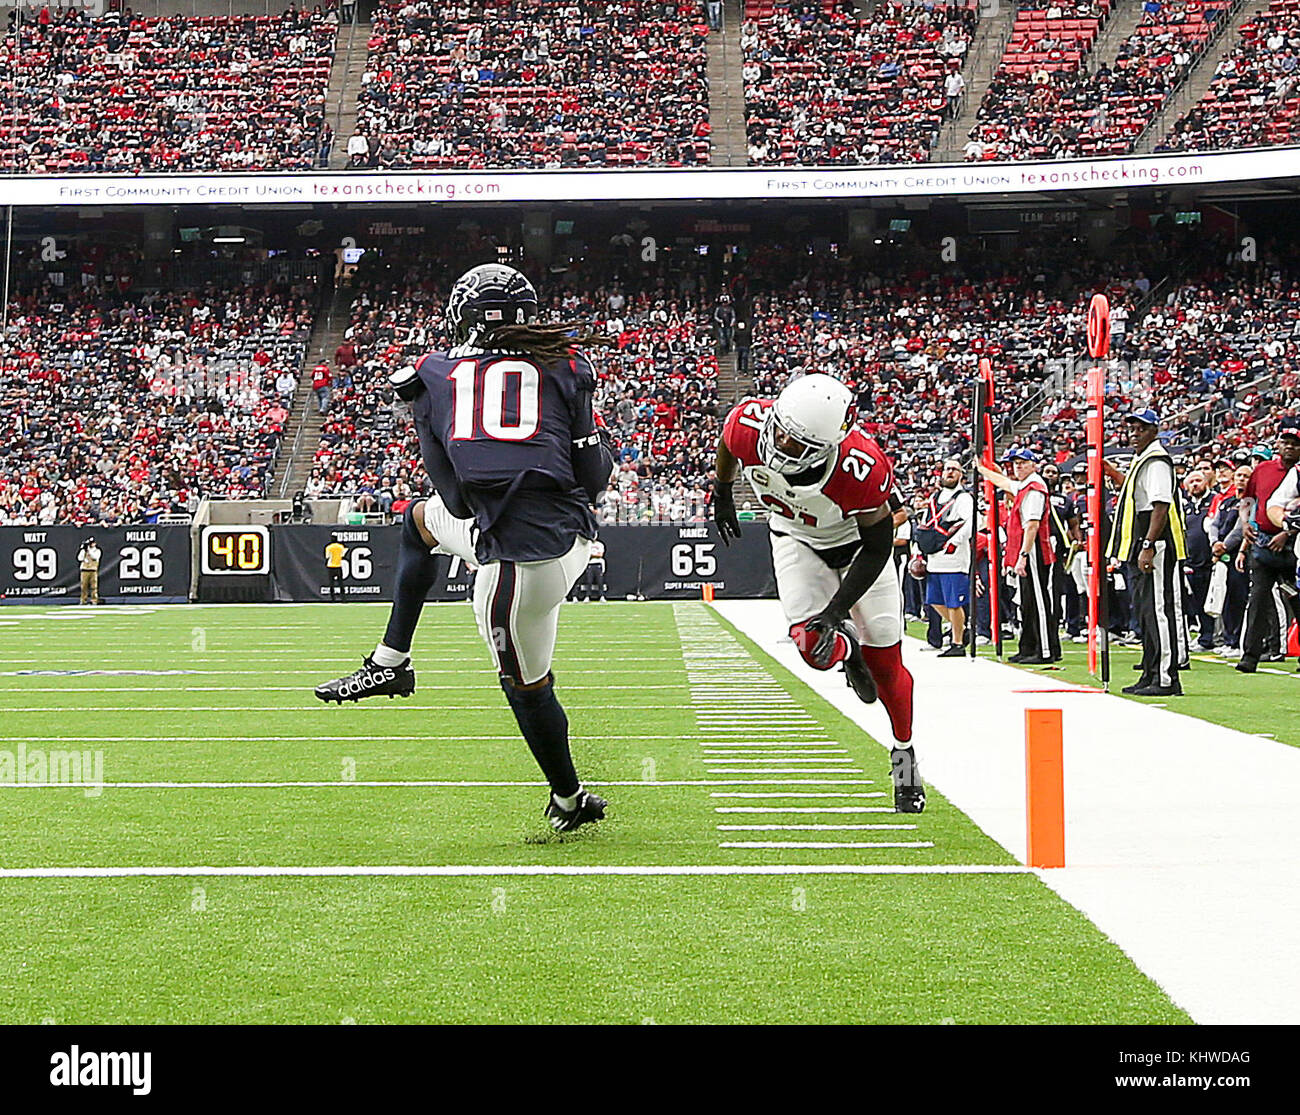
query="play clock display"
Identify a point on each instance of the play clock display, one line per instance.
(239, 551)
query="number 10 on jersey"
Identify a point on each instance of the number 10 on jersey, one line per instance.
(480, 400)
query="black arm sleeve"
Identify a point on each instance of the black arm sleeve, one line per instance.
(593, 458)
(877, 547)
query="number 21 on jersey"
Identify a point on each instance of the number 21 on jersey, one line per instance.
(479, 403)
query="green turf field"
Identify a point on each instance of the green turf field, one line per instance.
(223, 758)
(1212, 689)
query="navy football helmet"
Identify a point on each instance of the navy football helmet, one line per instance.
(486, 296)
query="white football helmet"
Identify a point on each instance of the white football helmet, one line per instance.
(809, 420)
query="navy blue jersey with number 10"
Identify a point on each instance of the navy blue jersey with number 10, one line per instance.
(497, 433)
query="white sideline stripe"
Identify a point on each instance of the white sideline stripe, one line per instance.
(826, 844)
(715, 754)
(779, 794)
(712, 687)
(801, 808)
(308, 784)
(782, 770)
(1176, 875)
(807, 828)
(764, 720)
(715, 759)
(737, 715)
(764, 745)
(474, 869)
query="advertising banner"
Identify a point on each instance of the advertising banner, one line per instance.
(145, 564)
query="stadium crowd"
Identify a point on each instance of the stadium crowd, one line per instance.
(1050, 99)
(828, 84)
(1219, 356)
(82, 92)
(119, 408)
(525, 83)
(622, 83)
(1253, 100)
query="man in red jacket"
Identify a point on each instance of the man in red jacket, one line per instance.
(1029, 555)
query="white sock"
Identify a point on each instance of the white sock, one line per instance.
(387, 656)
(568, 804)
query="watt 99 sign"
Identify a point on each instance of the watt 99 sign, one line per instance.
(42, 565)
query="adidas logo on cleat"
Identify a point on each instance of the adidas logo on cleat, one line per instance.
(369, 681)
(360, 684)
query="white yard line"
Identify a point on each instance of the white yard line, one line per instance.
(781, 844)
(801, 808)
(837, 750)
(808, 828)
(787, 770)
(463, 870)
(357, 737)
(282, 688)
(1181, 835)
(779, 794)
(404, 783)
(373, 705)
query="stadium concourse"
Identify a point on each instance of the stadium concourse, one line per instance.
(627, 83)
(1179, 876)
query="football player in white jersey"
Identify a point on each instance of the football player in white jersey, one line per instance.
(827, 486)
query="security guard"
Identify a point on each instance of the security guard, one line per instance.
(1149, 534)
(334, 565)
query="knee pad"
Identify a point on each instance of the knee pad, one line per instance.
(806, 641)
(511, 688)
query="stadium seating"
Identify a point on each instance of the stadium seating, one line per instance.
(823, 87)
(1052, 98)
(527, 83)
(82, 92)
(1254, 99)
(121, 408)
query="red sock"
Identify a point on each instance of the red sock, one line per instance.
(895, 685)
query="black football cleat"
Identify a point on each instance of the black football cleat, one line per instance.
(588, 809)
(909, 790)
(956, 650)
(1158, 691)
(370, 681)
(859, 678)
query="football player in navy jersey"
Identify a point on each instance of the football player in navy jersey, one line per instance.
(510, 440)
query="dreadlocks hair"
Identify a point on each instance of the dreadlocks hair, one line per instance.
(544, 343)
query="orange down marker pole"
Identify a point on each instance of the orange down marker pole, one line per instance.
(706, 593)
(1044, 789)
